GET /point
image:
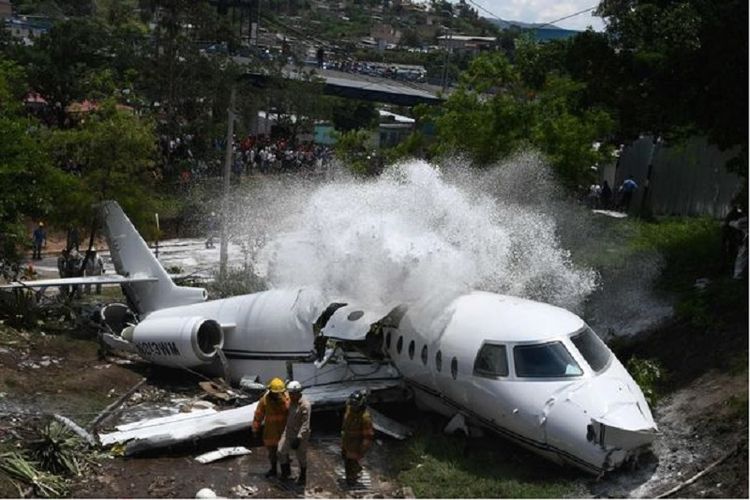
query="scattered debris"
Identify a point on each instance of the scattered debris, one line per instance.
(218, 390)
(698, 475)
(457, 423)
(243, 491)
(220, 453)
(252, 385)
(77, 429)
(196, 405)
(389, 426)
(206, 493)
(109, 409)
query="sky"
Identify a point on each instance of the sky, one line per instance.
(542, 11)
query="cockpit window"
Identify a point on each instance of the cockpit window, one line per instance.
(550, 360)
(592, 349)
(491, 361)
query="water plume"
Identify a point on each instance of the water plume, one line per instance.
(416, 233)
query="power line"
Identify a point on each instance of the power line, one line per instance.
(537, 26)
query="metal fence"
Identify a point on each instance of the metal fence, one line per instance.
(688, 178)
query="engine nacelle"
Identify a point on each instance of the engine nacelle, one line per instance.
(176, 341)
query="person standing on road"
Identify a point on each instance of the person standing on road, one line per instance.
(271, 413)
(296, 434)
(39, 240)
(94, 267)
(73, 270)
(356, 435)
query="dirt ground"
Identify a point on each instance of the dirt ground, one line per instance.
(700, 424)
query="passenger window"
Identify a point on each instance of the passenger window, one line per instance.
(439, 361)
(454, 368)
(492, 361)
(388, 340)
(400, 344)
(424, 355)
(411, 350)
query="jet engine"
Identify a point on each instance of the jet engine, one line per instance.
(176, 341)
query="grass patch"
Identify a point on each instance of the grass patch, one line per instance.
(738, 407)
(691, 248)
(439, 466)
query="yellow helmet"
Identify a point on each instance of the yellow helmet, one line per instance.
(276, 385)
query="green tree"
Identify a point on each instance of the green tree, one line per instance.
(113, 153)
(494, 113)
(353, 148)
(29, 186)
(687, 63)
(348, 115)
(60, 60)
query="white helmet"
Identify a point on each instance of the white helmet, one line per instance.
(294, 387)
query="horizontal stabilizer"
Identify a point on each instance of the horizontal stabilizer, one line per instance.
(110, 279)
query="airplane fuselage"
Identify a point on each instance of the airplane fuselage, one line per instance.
(506, 364)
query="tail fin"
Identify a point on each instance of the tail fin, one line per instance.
(133, 258)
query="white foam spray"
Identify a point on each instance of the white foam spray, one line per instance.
(416, 235)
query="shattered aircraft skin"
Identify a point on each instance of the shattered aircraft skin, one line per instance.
(531, 372)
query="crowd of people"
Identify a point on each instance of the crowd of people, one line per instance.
(256, 155)
(265, 156)
(282, 420)
(601, 196)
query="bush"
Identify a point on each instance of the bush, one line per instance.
(236, 282)
(691, 248)
(647, 373)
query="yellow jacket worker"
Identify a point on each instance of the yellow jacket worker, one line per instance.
(272, 412)
(356, 435)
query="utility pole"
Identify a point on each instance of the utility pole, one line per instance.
(223, 254)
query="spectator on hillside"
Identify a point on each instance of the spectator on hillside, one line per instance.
(38, 241)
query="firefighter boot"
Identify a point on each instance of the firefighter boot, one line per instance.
(286, 471)
(302, 478)
(272, 471)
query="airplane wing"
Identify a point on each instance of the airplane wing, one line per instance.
(167, 431)
(109, 279)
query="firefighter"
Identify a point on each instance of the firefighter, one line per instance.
(296, 434)
(271, 412)
(356, 435)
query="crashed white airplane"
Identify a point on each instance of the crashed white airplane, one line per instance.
(531, 372)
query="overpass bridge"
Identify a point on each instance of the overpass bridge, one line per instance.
(357, 86)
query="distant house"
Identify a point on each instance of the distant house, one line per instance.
(466, 43)
(393, 128)
(385, 36)
(26, 28)
(6, 9)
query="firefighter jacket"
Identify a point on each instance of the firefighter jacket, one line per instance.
(298, 422)
(272, 413)
(356, 433)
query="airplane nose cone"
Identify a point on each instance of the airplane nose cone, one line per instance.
(590, 419)
(615, 399)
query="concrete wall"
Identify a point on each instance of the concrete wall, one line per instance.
(686, 179)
